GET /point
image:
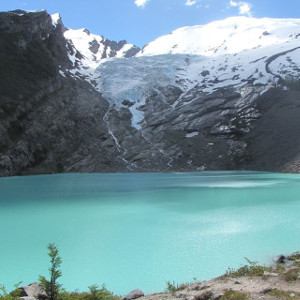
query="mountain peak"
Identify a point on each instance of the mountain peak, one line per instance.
(95, 48)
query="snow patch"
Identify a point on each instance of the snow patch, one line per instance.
(229, 36)
(55, 19)
(192, 134)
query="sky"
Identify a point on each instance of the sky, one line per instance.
(141, 21)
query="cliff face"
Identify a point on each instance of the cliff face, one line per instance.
(47, 120)
(63, 108)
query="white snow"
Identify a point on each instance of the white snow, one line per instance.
(192, 134)
(287, 65)
(82, 40)
(230, 52)
(90, 51)
(228, 36)
(122, 52)
(135, 79)
(62, 73)
(55, 19)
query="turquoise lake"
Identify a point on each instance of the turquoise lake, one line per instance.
(132, 231)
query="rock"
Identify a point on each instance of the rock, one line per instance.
(27, 298)
(205, 296)
(32, 291)
(128, 103)
(6, 165)
(281, 259)
(271, 274)
(205, 73)
(267, 290)
(134, 295)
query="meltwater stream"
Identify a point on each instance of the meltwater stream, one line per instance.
(132, 231)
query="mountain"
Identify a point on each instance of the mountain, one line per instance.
(214, 97)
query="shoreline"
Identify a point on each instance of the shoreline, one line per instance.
(278, 281)
(42, 174)
(250, 282)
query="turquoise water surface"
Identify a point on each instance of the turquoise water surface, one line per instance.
(140, 230)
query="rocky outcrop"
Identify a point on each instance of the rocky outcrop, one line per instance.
(49, 123)
(32, 291)
(135, 294)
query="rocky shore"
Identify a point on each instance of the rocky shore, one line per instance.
(250, 282)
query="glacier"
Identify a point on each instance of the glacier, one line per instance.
(227, 53)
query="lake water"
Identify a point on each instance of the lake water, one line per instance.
(140, 230)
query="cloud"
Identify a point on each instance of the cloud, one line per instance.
(190, 2)
(245, 8)
(141, 3)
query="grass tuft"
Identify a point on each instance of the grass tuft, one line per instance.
(291, 275)
(283, 295)
(234, 295)
(173, 287)
(252, 269)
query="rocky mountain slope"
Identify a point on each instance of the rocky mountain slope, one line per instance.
(215, 97)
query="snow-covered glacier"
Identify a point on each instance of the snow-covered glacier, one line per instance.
(227, 53)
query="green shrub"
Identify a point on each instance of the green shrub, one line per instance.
(51, 286)
(173, 287)
(283, 295)
(14, 295)
(54, 290)
(94, 293)
(291, 275)
(294, 257)
(234, 295)
(280, 269)
(252, 269)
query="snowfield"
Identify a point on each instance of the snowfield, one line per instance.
(228, 36)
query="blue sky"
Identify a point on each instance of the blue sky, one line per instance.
(140, 21)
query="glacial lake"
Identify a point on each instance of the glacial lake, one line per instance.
(132, 231)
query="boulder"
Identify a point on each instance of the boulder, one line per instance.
(134, 295)
(281, 259)
(270, 274)
(32, 291)
(207, 295)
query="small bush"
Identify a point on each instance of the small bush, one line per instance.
(283, 295)
(14, 295)
(173, 287)
(280, 269)
(234, 295)
(294, 257)
(252, 269)
(94, 293)
(291, 275)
